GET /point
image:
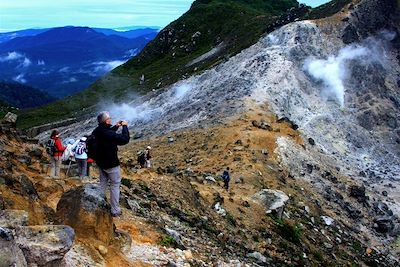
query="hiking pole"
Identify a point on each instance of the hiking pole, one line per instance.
(69, 165)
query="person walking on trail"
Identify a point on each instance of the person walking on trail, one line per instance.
(79, 149)
(107, 141)
(141, 159)
(57, 152)
(226, 178)
(147, 156)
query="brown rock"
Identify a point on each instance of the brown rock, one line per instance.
(86, 210)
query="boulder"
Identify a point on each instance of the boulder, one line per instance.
(10, 118)
(292, 125)
(10, 253)
(44, 245)
(273, 200)
(257, 256)
(384, 224)
(86, 210)
(327, 220)
(13, 218)
(358, 192)
(210, 179)
(219, 209)
(261, 125)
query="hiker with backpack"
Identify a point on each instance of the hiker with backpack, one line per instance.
(103, 148)
(79, 149)
(55, 149)
(141, 159)
(226, 178)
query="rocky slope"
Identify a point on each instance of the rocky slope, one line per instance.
(178, 214)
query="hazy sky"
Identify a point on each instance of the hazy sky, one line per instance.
(24, 14)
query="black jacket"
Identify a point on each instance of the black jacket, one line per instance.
(108, 140)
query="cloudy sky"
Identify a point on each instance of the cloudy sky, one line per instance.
(24, 14)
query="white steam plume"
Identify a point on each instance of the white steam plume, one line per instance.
(332, 71)
(151, 109)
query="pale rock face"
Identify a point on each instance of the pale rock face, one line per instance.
(273, 200)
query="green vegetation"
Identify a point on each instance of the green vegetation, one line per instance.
(230, 218)
(289, 231)
(318, 256)
(357, 247)
(168, 241)
(144, 186)
(328, 9)
(128, 183)
(230, 25)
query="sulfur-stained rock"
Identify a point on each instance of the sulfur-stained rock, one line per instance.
(86, 210)
(44, 244)
(21, 184)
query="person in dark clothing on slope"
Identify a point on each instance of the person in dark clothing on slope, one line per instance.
(226, 178)
(108, 140)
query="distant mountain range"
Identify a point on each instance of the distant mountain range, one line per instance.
(127, 32)
(65, 60)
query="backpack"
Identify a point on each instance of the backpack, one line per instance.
(141, 159)
(50, 147)
(68, 154)
(225, 176)
(92, 147)
(80, 148)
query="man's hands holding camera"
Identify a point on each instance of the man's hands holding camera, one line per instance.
(122, 123)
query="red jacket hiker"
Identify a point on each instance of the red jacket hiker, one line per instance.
(59, 147)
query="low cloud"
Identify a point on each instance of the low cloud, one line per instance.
(132, 52)
(64, 70)
(25, 63)
(102, 67)
(11, 56)
(71, 80)
(20, 78)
